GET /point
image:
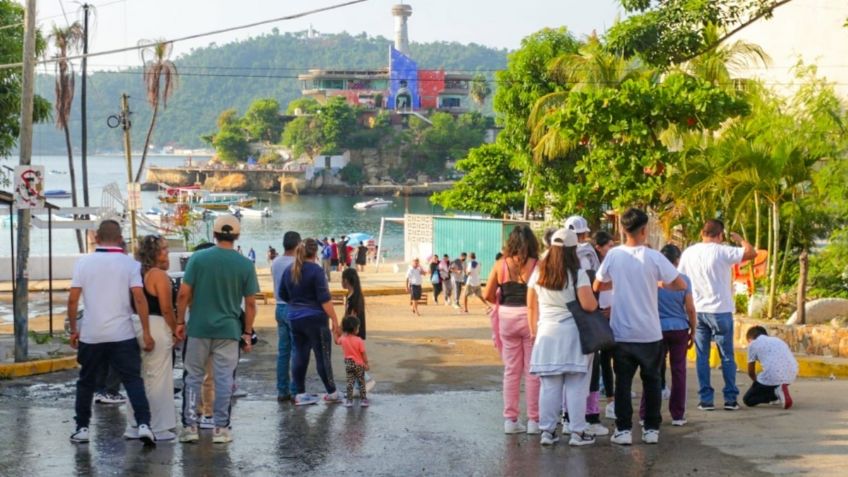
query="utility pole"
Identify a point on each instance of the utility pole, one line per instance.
(83, 106)
(126, 125)
(21, 297)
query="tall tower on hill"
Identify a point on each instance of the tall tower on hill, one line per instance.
(401, 12)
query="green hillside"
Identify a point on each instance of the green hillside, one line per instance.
(218, 77)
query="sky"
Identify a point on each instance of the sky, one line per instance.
(497, 23)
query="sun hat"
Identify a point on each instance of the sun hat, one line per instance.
(564, 238)
(226, 224)
(578, 224)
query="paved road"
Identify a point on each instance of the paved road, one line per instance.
(416, 433)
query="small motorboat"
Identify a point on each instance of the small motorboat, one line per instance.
(58, 172)
(248, 212)
(375, 203)
(57, 194)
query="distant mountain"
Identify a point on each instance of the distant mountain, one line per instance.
(218, 77)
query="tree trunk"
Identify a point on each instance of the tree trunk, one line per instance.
(787, 250)
(756, 221)
(803, 261)
(147, 142)
(73, 175)
(528, 189)
(775, 218)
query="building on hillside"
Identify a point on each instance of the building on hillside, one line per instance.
(402, 86)
(813, 31)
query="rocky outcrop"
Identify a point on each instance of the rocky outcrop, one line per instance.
(225, 180)
(822, 310)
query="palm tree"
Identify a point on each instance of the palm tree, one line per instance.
(480, 89)
(160, 80)
(67, 40)
(724, 64)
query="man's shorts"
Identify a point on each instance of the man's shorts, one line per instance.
(474, 290)
(415, 292)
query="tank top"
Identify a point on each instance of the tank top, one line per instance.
(513, 293)
(153, 307)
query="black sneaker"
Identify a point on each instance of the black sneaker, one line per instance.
(706, 406)
(731, 406)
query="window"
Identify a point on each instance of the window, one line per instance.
(332, 84)
(450, 102)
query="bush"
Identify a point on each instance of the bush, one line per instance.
(270, 157)
(828, 276)
(352, 174)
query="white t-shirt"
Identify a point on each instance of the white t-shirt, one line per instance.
(473, 274)
(106, 279)
(779, 364)
(552, 303)
(414, 275)
(588, 256)
(708, 265)
(634, 273)
(278, 266)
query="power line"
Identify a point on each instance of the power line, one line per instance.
(13, 25)
(197, 35)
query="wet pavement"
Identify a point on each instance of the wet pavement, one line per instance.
(412, 430)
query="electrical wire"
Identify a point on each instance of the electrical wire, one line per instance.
(195, 36)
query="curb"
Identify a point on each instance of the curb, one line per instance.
(808, 366)
(43, 366)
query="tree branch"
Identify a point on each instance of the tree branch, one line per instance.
(736, 30)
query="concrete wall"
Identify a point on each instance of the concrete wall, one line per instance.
(417, 237)
(816, 340)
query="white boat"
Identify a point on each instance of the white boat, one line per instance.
(375, 203)
(248, 212)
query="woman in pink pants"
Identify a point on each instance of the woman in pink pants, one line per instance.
(507, 288)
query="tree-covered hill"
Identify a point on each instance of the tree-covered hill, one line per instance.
(218, 77)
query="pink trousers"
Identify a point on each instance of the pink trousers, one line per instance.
(517, 346)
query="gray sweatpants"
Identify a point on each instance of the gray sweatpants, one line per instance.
(224, 355)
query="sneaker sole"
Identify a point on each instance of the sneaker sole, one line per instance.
(621, 443)
(549, 443)
(222, 441)
(706, 408)
(581, 443)
(79, 441)
(189, 440)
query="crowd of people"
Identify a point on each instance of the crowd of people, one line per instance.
(658, 305)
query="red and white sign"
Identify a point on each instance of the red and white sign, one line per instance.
(29, 187)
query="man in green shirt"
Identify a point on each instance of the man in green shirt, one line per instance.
(216, 282)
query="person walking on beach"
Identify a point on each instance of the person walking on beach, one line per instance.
(445, 277)
(633, 271)
(557, 357)
(473, 283)
(708, 264)
(334, 255)
(361, 256)
(458, 276)
(414, 280)
(216, 282)
(313, 322)
(285, 385)
(435, 279)
(107, 280)
(157, 365)
(507, 288)
(343, 253)
(326, 258)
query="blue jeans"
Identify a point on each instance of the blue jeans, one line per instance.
(285, 348)
(717, 327)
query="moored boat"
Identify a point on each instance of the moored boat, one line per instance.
(375, 203)
(239, 211)
(57, 194)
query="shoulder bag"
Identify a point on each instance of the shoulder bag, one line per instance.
(592, 326)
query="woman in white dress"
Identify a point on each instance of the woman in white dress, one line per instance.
(557, 357)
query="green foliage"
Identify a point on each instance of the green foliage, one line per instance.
(480, 89)
(669, 32)
(270, 157)
(304, 105)
(337, 120)
(490, 185)
(448, 138)
(264, 66)
(231, 144)
(262, 120)
(303, 136)
(829, 268)
(352, 174)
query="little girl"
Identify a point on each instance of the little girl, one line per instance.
(355, 359)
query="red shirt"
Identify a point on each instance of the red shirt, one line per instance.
(353, 347)
(334, 251)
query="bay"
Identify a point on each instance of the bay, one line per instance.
(310, 215)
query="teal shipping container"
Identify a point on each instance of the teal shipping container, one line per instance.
(485, 237)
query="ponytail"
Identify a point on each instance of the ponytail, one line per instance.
(304, 252)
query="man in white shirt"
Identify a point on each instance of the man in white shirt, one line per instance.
(585, 250)
(780, 368)
(285, 343)
(634, 270)
(414, 280)
(472, 282)
(106, 280)
(708, 264)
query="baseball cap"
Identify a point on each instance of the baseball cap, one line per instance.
(578, 224)
(226, 224)
(564, 238)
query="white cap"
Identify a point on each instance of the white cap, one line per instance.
(578, 224)
(564, 238)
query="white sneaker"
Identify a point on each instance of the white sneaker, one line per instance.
(348, 403)
(305, 399)
(334, 398)
(221, 435)
(131, 433)
(597, 430)
(165, 436)
(206, 422)
(650, 436)
(239, 393)
(678, 422)
(80, 436)
(564, 422)
(146, 435)
(189, 434)
(533, 427)
(666, 394)
(622, 438)
(610, 411)
(548, 438)
(581, 439)
(369, 382)
(514, 427)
